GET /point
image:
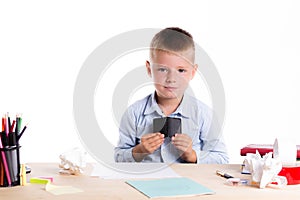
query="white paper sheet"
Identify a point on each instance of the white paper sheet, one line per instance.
(133, 171)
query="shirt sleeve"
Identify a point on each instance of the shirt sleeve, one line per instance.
(212, 148)
(213, 152)
(127, 130)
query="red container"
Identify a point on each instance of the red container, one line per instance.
(292, 174)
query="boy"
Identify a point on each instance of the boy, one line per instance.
(171, 66)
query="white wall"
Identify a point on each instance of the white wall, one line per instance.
(255, 46)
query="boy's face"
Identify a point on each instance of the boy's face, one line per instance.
(171, 74)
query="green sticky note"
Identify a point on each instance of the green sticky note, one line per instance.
(39, 180)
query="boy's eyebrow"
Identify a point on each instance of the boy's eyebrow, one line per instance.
(158, 64)
(185, 66)
(163, 65)
(182, 66)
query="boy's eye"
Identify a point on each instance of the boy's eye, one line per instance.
(181, 70)
(162, 69)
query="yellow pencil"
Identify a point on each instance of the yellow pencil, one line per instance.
(23, 175)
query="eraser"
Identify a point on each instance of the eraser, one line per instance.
(237, 181)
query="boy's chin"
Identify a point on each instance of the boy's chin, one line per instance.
(171, 96)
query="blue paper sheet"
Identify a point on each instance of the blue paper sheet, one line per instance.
(169, 187)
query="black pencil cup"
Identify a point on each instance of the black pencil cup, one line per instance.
(9, 164)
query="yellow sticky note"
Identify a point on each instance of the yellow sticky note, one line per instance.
(54, 189)
(59, 190)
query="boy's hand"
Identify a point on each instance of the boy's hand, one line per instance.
(184, 143)
(152, 141)
(149, 143)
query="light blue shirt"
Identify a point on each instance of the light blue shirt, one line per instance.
(196, 119)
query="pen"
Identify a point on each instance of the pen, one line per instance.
(20, 135)
(8, 121)
(225, 175)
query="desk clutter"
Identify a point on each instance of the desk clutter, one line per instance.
(272, 164)
(262, 149)
(12, 173)
(44, 182)
(72, 162)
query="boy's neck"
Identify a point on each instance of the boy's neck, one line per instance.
(168, 106)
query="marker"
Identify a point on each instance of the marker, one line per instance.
(225, 175)
(18, 124)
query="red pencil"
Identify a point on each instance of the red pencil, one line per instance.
(3, 124)
(12, 126)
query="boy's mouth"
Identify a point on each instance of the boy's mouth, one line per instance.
(170, 88)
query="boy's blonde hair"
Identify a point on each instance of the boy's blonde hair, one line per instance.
(173, 40)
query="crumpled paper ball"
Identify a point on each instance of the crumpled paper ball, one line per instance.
(73, 161)
(264, 170)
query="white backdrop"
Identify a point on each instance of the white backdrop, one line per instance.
(255, 46)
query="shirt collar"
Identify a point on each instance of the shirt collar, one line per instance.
(152, 107)
(183, 107)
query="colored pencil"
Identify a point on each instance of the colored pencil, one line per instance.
(5, 164)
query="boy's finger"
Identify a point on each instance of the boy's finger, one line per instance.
(156, 140)
(149, 135)
(154, 134)
(180, 143)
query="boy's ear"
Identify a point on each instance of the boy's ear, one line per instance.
(148, 68)
(195, 68)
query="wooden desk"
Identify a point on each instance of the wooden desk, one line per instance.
(96, 188)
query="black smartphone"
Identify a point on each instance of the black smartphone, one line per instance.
(168, 126)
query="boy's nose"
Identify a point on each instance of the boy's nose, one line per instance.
(171, 77)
